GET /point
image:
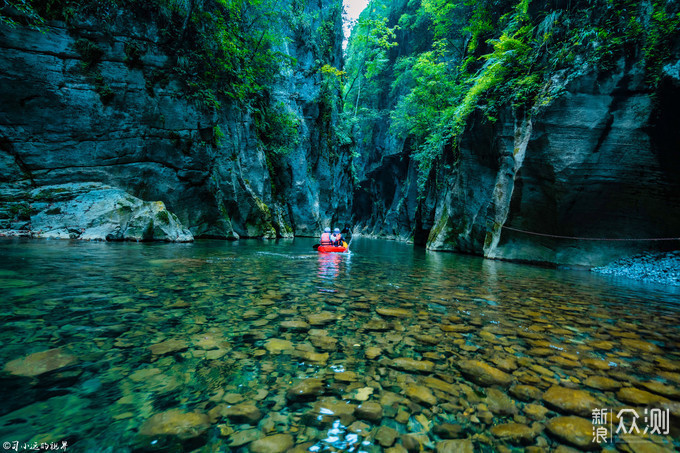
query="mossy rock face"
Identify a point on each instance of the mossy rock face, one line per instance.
(163, 217)
(89, 51)
(22, 211)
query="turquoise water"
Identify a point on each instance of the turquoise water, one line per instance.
(266, 346)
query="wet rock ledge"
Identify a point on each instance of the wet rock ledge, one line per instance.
(86, 211)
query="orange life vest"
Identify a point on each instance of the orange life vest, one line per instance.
(326, 239)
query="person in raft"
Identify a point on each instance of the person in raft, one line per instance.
(337, 237)
(326, 237)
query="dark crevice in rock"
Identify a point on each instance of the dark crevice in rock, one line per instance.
(7, 146)
(605, 133)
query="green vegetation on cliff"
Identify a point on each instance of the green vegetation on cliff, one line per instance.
(224, 52)
(425, 66)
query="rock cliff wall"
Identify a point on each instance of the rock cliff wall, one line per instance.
(129, 125)
(595, 163)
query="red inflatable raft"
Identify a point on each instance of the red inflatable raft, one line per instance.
(331, 249)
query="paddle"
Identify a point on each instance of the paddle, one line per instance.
(316, 246)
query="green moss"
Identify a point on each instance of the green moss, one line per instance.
(53, 211)
(488, 239)
(90, 53)
(22, 211)
(103, 89)
(133, 55)
(163, 217)
(124, 210)
(439, 227)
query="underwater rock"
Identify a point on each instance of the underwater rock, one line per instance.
(295, 324)
(535, 411)
(515, 433)
(305, 390)
(168, 346)
(246, 413)
(40, 362)
(602, 383)
(632, 395)
(499, 402)
(448, 430)
(320, 319)
(525, 392)
(662, 389)
(370, 410)
(277, 443)
(408, 364)
(277, 346)
(579, 402)
(328, 410)
(420, 394)
(574, 430)
(174, 422)
(438, 384)
(386, 436)
(240, 438)
(372, 352)
(455, 446)
(484, 374)
(394, 312)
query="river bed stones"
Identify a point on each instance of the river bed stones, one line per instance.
(40, 362)
(602, 383)
(659, 388)
(175, 422)
(394, 312)
(579, 402)
(305, 390)
(320, 319)
(632, 395)
(244, 437)
(515, 433)
(328, 410)
(246, 413)
(573, 430)
(168, 346)
(277, 346)
(499, 402)
(420, 394)
(455, 446)
(332, 370)
(386, 436)
(370, 410)
(484, 374)
(535, 411)
(525, 392)
(438, 384)
(276, 443)
(295, 325)
(409, 364)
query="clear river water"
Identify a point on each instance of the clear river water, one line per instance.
(271, 347)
